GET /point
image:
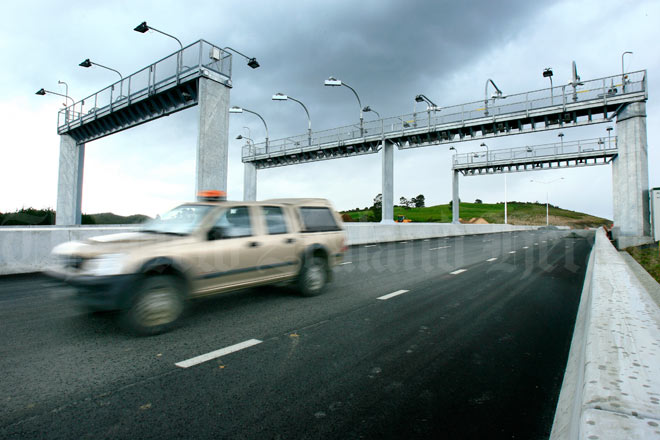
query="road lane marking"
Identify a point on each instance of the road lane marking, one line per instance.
(426, 239)
(536, 244)
(512, 252)
(403, 242)
(217, 353)
(525, 247)
(456, 272)
(371, 245)
(345, 262)
(392, 295)
(492, 259)
(441, 247)
(544, 241)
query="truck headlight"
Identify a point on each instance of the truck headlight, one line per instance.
(103, 265)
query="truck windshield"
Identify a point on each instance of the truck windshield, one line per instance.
(181, 220)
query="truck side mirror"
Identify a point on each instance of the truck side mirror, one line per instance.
(216, 233)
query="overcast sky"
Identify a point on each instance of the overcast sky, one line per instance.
(389, 51)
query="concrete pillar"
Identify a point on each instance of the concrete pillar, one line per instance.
(213, 136)
(388, 182)
(630, 178)
(249, 181)
(69, 182)
(455, 200)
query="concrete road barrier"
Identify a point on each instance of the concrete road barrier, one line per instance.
(27, 249)
(611, 389)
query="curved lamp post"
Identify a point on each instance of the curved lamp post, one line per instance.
(623, 72)
(547, 73)
(496, 95)
(143, 27)
(282, 97)
(252, 62)
(430, 105)
(236, 109)
(42, 92)
(334, 82)
(88, 63)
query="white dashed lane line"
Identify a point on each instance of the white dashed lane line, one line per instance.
(525, 247)
(392, 295)
(371, 245)
(345, 262)
(512, 252)
(492, 259)
(456, 272)
(217, 353)
(441, 247)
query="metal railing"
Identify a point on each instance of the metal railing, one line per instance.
(602, 89)
(167, 72)
(530, 153)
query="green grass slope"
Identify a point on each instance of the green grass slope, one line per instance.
(518, 214)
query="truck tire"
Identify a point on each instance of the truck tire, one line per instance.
(156, 307)
(313, 276)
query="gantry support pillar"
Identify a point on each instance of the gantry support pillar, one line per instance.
(388, 182)
(455, 200)
(630, 178)
(249, 181)
(213, 136)
(69, 182)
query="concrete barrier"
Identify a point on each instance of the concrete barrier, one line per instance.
(27, 249)
(611, 388)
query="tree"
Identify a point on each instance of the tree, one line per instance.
(478, 201)
(404, 202)
(418, 201)
(377, 209)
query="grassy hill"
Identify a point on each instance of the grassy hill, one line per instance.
(518, 214)
(31, 216)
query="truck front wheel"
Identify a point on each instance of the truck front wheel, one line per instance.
(313, 276)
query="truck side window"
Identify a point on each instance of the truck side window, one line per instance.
(275, 221)
(318, 219)
(235, 222)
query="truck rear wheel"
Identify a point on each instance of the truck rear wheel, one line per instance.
(313, 276)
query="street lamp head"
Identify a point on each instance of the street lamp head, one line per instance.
(560, 135)
(547, 73)
(41, 92)
(252, 62)
(280, 97)
(235, 109)
(483, 144)
(332, 82)
(239, 137)
(419, 98)
(452, 148)
(142, 27)
(86, 63)
(608, 128)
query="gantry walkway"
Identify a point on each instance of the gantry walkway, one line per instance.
(160, 89)
(572, 154)
(583, 103)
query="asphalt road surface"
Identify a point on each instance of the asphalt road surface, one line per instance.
(461, 337)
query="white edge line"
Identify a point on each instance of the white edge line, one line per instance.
(217, 353)
(492, 259)
(456, 272)
(392, 295)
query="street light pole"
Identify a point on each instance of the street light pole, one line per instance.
(143, 27)
(282, 97)
(430, 105)
(236, 109)
(609, 137)
(623, 72)
(497, 95)
(334, 82)
(483, 144)
(88, 63)
(547, 73)
(547, 199)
